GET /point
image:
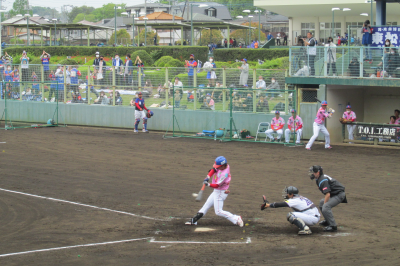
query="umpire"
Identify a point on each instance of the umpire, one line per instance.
(334, 194)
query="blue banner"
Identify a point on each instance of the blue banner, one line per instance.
(380, 34)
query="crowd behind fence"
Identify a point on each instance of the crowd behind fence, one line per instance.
(345, 61)
(109, 85)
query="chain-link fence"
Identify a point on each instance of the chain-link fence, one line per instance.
(228, 114)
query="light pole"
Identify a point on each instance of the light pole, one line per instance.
(1, 47)
(55, 32)
(333, 18)
(259, 23)
(372, 11)
(248, 11)
(115, 24)
(191, 18)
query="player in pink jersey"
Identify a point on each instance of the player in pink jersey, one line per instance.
(277, 124)
(319, 125)
(350, 116)
(295, 125)
(220, 177)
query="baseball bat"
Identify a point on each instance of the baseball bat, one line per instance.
(200, 195)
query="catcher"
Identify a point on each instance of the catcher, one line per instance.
(349, 117)
(139, 113)
(304, 214)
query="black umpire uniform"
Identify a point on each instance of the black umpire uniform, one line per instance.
(327, 184)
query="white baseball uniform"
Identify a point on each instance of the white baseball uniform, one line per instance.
(220, 182)
(139, 114)
(319, 126)
(304, 209)
(295, 124)
(350, 128)
(276, 124)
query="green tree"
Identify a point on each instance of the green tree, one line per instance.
(82, 16)
(149, 37)
(46, 12)
(123, 37)
(243, 35)
(19, 7)
(77, 10)
(216, 37)
(107, 11)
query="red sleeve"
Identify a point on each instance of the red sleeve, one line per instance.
(214, 185)
(194, 64)
(144, 107)
(352, 120)
(137, 105)
(211, 173)
(280, 127)
(289, 126)
(79, 73)
(299, 127)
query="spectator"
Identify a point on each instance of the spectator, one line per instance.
(248, 103)
(68, 78)
(311, 51)
(273, 86)
(262, 105)
(284, 39)
(396, 115)
(230, 42)
(119, 69)
(339, 41)
(260, 84)
(278, 39)
(209, 66)
(45, 58)
(225, 43)
(366, 31)
(24, 66)
(178, 86)
(255, 44)
(208, 103)
(155, 39)
(140, 68)
(244, 74)
(118, 98)
(354, 67)
(394, 62)
(128, 70)
(16, 77)
(74, 73)
(234, 42)
(331, 56)
(101, 71)
(393, 120)
(177, 99)
(102, 99)
(148, 87)
(35, 84)
(191, 64)
(269, 36)
(385, 58)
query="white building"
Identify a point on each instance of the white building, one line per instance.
(317, 15)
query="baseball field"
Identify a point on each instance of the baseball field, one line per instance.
(94, 196)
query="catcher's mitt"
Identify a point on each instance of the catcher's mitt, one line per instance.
(148, 115)
(342, 120)
(265, 203)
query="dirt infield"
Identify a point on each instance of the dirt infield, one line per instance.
(152, 180)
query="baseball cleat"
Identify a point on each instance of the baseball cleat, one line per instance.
(329, 147)
(145, 131)
(240, 221)
(305, 231)
(324, 223)
(330, 229)
(309, 149)
(190, 222)
(135, 131)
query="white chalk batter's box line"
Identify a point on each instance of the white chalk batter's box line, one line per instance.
(149, 239)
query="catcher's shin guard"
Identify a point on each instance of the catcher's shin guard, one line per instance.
(145, 123)
(137, 123)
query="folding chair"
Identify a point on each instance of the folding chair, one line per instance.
(262, 127)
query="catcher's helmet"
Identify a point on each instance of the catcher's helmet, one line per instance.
(289, 190)
(221, 160)
(151, 113)
(315, 169)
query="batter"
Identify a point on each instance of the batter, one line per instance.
(220, 177)
(319, 125)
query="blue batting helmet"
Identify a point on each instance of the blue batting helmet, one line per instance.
(324, 103)
(348, 107)
(277, 112)
(221, 160)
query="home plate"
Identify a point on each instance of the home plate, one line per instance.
(203, 229)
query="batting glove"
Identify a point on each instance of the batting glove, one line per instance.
(207, 178)
(206, 183)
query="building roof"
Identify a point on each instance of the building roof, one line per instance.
(161, 16)
(151, 5)
(222, 11)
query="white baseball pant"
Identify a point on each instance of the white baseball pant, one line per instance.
(217, 199)
(298, 133)
(350, 129)
(308, 219)
(270, 131)
(317, 128)
(139, 114)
